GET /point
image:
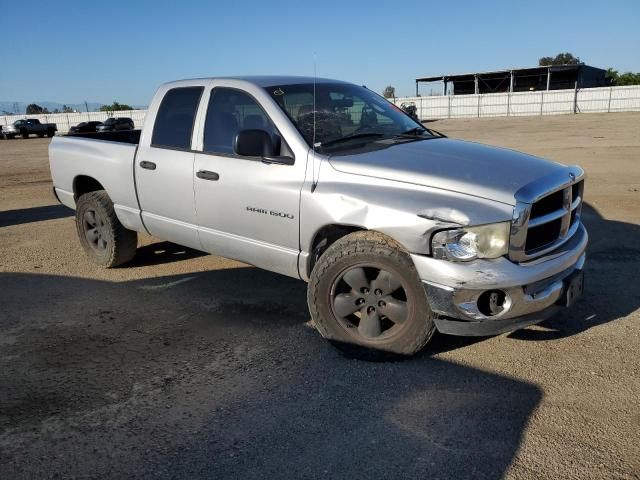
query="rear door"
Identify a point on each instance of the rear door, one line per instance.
(247, 209)
(164, 167)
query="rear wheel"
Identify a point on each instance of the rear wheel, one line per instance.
(102, 236)
(365, 296)
(51, 133)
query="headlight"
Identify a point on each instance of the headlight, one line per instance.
(469, 243)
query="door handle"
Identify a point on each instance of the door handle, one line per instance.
(148, 165)
(207, 175)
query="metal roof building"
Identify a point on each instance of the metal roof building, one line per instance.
(552, 77)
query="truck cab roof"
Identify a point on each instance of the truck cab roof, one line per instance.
(258, 80)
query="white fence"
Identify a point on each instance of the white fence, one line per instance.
(607, 99)
(66, 120)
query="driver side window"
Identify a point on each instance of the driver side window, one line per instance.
(229, 112)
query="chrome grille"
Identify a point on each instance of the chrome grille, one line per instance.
(547, 214)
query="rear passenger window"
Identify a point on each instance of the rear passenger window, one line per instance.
(174, 121)
(229, 112)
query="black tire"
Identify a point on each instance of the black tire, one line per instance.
(368, 255)
(24, 134)
(51, 133)
(102, 236)
(9, 136)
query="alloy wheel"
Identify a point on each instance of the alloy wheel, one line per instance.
(95, 230)
(370, 302)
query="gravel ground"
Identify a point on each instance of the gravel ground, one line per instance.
(185, 365)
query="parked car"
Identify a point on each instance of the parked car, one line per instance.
(84, 127)
(29, 126)
(397, 230)
(116, 124)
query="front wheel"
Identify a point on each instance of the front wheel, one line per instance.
(25, 134)
(365, 296)
(103, 238)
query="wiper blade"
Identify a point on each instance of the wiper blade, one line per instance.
(439, 133)
(349, 137)
(414, 131)
(417, 133)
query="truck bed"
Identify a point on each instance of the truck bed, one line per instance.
(105, 157)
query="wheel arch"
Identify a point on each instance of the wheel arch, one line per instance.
(326, 236)
(84, 184)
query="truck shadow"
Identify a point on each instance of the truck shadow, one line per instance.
(162, 252)
(215, 371)
(34, 214)
(611, 279)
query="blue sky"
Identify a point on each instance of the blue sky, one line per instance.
(101, 51)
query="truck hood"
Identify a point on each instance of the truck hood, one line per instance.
(466, 167)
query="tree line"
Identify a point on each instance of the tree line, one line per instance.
(615, 78)
(35, 109)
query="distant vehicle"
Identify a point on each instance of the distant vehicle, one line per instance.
(29, 126)
(85, 127)
(116, 124)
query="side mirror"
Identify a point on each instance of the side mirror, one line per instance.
(253, 143)
(258, 143)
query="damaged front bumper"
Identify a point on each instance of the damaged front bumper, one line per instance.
(488, 297)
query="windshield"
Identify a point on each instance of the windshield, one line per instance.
(344, 113)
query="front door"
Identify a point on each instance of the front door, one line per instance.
(246, 209)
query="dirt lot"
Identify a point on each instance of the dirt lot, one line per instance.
(184, 365)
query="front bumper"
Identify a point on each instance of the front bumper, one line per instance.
(532, 290)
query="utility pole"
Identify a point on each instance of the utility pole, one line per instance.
(86, 106)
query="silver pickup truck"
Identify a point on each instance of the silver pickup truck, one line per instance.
(398, 230)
